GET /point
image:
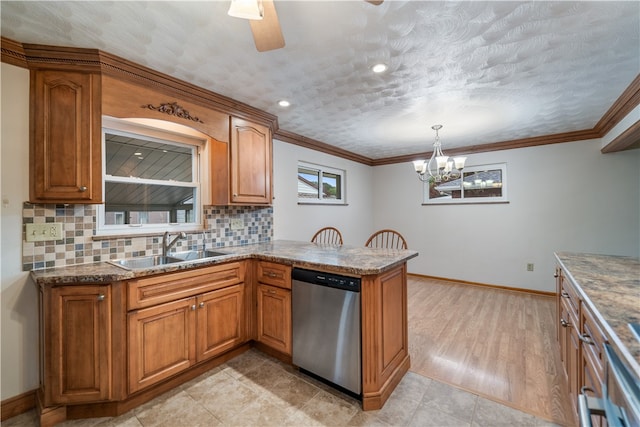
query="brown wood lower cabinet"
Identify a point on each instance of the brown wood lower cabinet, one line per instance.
(385, 345)
(76, 344)
(273, 314)
(107, 348)
(274, 318)
(581, 344)
(161, 342)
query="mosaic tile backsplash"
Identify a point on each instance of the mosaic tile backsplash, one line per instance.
(79, 246)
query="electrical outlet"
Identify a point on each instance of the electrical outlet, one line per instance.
(530, 266)
(237, 224)
(42, 232)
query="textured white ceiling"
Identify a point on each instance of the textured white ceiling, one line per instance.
(487, 71)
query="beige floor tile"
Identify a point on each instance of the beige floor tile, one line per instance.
(491, 414)
(450, 400)
(179, 410)
(260, 412)
(223, 396)
(429, 415)
(329, 409)
(365, 419)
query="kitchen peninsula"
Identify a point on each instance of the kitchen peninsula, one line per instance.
(113, 338)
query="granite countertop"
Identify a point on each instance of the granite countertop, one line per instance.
(610, 286)
(358, 261)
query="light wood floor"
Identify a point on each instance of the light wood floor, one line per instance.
(497, 343)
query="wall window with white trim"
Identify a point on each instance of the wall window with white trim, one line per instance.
(320, 184)
(152, 179)
(478, 184)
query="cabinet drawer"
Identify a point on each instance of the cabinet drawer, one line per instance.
(568, 293)
(274, 274)
(592, 340)
(155, 290)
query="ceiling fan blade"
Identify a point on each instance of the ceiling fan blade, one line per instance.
(267, 34)
(375, 2)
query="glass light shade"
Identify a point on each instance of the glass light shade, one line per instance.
(459, 161)
(420, 166)
(449, 166)
(441, 161)
(246, 9)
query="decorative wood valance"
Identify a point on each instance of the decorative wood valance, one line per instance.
(173, 109)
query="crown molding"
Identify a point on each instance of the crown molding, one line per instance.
(627, 140)
(303, 141)
(12, 52)
(36, 56)
(626, 102)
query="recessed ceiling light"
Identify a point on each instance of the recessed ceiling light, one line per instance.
(379, 68)
(284, 103)
(137, 153)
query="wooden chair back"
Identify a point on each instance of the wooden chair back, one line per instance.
(390, 239)
(328, 236)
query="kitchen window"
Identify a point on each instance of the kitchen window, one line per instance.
(320, 184)
(152, 178)
(478, 184)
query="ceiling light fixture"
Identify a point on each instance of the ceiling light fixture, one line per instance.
(246, 9)
(440, 167)
(284, 103)
(379, 68)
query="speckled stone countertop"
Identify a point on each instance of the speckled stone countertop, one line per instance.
(352, 260)
(610, 286)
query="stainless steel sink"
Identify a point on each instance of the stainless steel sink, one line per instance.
(195, 255)
(146, 261)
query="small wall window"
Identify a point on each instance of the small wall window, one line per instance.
(478, 184)
(320, 184)
(151, 180)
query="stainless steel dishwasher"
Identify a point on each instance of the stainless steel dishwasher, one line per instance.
(326, 327)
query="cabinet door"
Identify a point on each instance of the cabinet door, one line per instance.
(250, 163)
(66, 139)
(274, 317)
(220, 318)
(77, 324)
(161, 342)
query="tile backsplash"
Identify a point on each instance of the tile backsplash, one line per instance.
(80, 246)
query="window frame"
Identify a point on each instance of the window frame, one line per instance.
(322, 170)
(166, 132)
(470, 200)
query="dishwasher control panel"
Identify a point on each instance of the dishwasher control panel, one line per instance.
(327, 279)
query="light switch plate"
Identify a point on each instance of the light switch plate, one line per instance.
(237, 223)
(42, 232)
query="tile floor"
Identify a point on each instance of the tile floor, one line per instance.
(256, 390)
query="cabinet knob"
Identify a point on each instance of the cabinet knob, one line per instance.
(202, 305)
(193, 307)
(564, 294)
(564, 323)
(83, 189)
(271, 291)
(555, 275)
(586, 338)
(101, 297)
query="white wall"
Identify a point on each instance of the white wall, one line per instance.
(563, 197)
(19, 300)
(300, 222)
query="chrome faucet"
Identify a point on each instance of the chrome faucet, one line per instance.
(166, 246)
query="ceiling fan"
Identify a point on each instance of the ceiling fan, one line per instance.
(264, 22)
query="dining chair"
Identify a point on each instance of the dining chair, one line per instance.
(387, 239)
(328, 236)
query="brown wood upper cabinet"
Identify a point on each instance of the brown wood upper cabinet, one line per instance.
(241, 171)
(65, 144)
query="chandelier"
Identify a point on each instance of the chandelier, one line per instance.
(440, 167)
